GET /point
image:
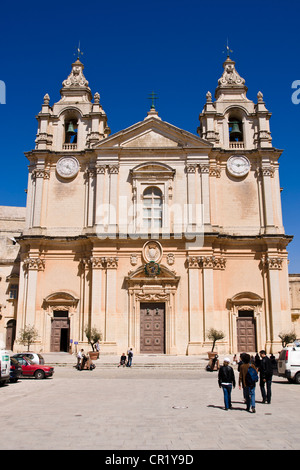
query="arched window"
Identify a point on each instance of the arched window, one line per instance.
(152, 208)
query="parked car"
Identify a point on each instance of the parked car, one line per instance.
(34, 357)
(4, 366)
(15, 370)
(289, 363)
(39, 371)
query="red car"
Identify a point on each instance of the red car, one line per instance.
(29, 369)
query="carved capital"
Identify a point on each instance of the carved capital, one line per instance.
(215, 171)
(267, 171)
(204, 168)
(271, 263)
(113, 169)
(191, 167)
(100, 169)
(97, 263)
(206, 262)
(34, 263)
(40, 173)
(112, 263)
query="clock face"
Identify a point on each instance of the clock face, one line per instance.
(238, 165)
(67, 167)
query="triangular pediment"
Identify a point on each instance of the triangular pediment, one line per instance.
(153, 133)
(164, 275)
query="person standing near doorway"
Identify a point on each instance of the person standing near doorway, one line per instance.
(130, 356)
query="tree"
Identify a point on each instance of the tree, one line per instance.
(214, 335)
(287, 337)
(93, 335)
(27, 336)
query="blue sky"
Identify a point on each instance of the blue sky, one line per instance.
(130, 48)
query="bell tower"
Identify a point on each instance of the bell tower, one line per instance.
(74, 123)
(233, 121)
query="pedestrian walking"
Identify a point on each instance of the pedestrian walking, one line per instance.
(130, 356)
(226, 380)
(265, 377)
(247, 380)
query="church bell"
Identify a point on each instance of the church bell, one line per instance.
(70, 130)
(235, 133)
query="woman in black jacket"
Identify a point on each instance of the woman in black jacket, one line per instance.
(226, 380)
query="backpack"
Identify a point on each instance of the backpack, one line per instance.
(251, 377)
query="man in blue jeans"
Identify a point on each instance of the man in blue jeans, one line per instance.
(226, 380)
(130, 356)
(249, 390)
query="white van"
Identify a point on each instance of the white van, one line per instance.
(289, 363)
(4, 366)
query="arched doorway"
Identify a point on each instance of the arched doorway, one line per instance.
(10, 334)
(245, 311)
(60, 307)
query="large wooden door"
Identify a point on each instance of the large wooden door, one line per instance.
(246, 334)
(60, 335)
(152, 328)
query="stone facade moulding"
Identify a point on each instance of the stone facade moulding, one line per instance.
(206, 262)
(99, 262)
(271, 262)
(212, 170)
(34, 263)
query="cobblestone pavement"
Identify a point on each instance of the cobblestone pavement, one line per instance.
(160, 408)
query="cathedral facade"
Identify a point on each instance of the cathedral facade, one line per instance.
(152, 235)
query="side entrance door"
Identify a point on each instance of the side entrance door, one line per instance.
(152, 328)
(60, 333)
(246, 332)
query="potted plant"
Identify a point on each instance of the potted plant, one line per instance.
(287, 337)
(93, 335)
(214, 335)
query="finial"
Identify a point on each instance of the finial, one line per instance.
(228, 50)
(153, 96)
(46, 99)
(79, 52)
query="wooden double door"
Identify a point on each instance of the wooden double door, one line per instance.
(246, 332)
(152, 332)
(60, 333)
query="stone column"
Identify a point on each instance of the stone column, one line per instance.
(268, 173)
(38, 175)
(91, 197)
(273, 265)
(99, 199)
(191, 196)
(195, 301)
(208, 263)
(205, 193)
(113, 198)
(97, 315)
(111, 300)
(33, 264)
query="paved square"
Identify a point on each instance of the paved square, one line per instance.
(142, 408)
